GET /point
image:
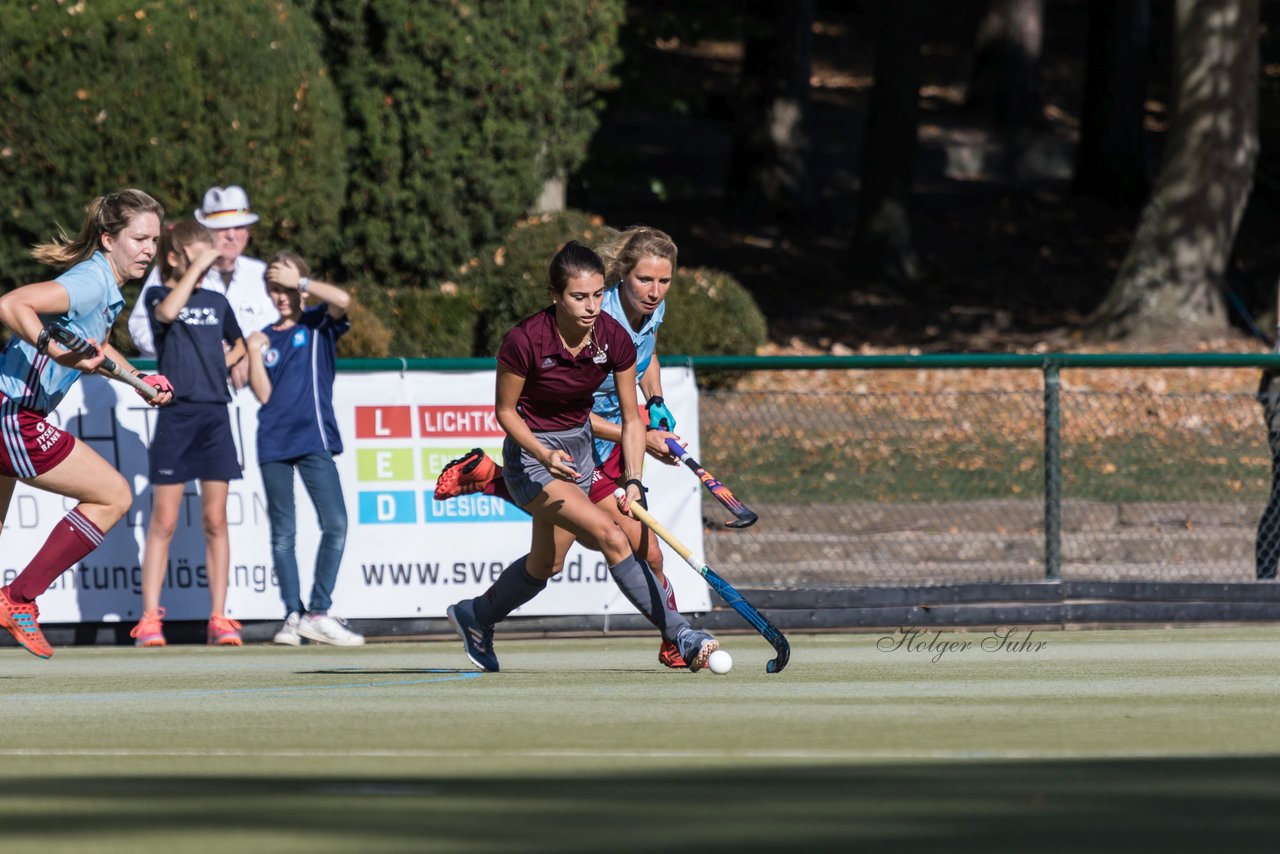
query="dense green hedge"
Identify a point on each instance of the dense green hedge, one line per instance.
(422, 322)
(170, 97)
(395, 168)
(457, 112)
(708, 311)
(510, 283)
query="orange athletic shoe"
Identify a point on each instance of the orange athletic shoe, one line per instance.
(670, 655)
(224, 631)
(469, 473)
(21, 621)
(149, 631)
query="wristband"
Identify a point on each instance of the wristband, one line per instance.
(640, 486)
(42, 342)
(303, 284)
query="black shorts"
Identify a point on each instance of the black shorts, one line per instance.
(193, 442)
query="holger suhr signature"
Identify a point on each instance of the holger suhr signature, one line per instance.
(936, 643)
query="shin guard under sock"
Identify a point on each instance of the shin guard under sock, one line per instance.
(638, 583)
(72, 538)
(514, 587)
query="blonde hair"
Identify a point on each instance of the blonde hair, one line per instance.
(109, 214)
(176, 238)
(628, 248)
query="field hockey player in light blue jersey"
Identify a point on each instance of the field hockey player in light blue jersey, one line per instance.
(640, 262)
(116, 243)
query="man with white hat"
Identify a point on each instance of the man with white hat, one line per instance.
(226, 214)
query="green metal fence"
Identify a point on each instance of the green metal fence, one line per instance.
(1038, 476)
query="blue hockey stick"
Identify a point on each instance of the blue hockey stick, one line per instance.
(723, 589)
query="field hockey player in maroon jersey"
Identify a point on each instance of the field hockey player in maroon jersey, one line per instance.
(549, 366)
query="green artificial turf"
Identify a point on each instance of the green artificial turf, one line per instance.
(1097, 740)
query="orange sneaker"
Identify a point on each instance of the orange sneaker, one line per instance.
(469, 473)
(224, 631)
(670, 655)
(149, 631)
(22, 622)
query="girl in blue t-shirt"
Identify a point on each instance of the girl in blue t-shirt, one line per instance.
(197, 339)
(291, 371)
(116, 243)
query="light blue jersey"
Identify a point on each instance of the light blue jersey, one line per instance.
(37, 382)
(646, 340)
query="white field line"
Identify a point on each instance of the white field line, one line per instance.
(807, 755)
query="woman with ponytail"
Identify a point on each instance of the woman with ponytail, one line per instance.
(549, 367)
(116, 243)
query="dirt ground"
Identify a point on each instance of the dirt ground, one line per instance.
(1013, 258)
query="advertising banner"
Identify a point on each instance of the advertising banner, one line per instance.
(406, 556)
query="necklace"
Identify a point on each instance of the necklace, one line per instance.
(586, 339)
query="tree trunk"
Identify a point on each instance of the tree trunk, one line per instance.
(882, 242)
(1004, 88)
(769, 165)
(1170, 281)
(1111, 161)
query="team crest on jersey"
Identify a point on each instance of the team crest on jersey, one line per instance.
(270, 357)
(300, 338)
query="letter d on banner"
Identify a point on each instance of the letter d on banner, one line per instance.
(388, 508)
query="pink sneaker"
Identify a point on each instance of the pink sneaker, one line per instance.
(149, 631)
(224, 631)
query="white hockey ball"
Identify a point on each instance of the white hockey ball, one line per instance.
(720, 662)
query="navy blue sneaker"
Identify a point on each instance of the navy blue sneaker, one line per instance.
(696, 647)
(477, 638)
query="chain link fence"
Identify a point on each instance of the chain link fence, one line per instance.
(1042, 474)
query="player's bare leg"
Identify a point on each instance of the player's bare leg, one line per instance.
(102, 497)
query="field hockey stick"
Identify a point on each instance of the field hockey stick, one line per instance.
(725, 590)
(745, 517)
(109, 368)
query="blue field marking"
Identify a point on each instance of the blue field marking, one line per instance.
(453, 676)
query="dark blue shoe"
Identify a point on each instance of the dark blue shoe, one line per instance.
(477, 638)
(696, 647)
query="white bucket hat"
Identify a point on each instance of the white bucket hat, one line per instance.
(225, 207)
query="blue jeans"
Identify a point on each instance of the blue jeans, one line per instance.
(320, 477)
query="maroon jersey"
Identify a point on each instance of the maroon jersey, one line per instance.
(558, 388)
